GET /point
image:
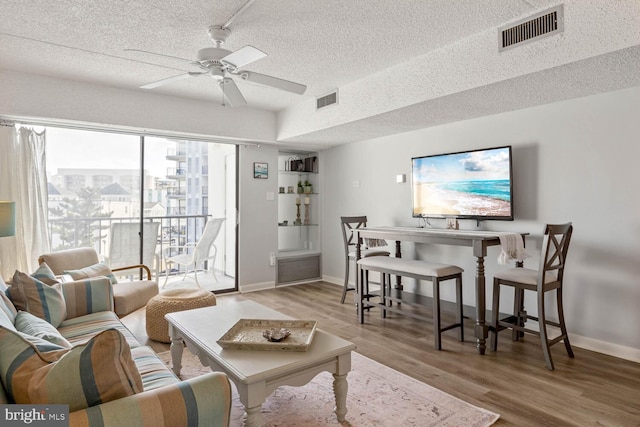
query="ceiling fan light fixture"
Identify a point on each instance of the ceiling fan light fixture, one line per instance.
(216, 73)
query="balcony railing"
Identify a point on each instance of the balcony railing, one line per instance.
(176, 191)
(176, 172)
(172, 153)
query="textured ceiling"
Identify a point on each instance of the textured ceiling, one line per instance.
(391, 60)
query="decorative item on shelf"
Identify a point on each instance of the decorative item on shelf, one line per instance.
(307, 220)
(281, 190)
(290, 189)
(308, 188)
(283, 223)
(311, 164)
(452, 224)
(297, 221)
(296, 164)
(300, 187)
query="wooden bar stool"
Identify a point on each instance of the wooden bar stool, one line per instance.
(349, 224)
(548, 277)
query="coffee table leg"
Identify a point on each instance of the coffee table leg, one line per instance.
(253, 417)
(177, 346)
(340, 387)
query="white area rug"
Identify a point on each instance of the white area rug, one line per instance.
(377, 396)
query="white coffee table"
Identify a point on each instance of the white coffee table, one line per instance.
(257, 374)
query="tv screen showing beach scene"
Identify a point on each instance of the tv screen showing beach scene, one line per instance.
(471, 184)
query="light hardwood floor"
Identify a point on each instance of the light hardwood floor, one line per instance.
(591, 390)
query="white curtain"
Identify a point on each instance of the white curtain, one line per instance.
(23, 179)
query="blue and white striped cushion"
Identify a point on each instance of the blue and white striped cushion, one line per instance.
(45, 274)
(31, 325)
(41, 300)
(96, 270)
(86, 375)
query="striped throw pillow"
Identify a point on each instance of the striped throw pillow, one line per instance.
(29, 324)
(41, 300)
(99, 269)
(45, 274)
(89, 374)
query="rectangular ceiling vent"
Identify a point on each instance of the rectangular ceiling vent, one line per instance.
(327, 100)
(533, 28)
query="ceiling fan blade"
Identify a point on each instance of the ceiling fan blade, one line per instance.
(275, 82)
(170, 80)
(232, 93)
(190, 61)
(243, 56)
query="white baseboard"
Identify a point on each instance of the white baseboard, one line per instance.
(253, 287)
(335, 280)
(610, 349)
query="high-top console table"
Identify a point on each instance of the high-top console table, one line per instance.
(478, 240)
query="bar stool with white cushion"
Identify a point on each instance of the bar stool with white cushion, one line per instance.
(548, 277)
(419, 270)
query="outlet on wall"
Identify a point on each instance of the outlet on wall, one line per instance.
(272, 259)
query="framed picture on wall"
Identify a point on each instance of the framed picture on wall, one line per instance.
(260, 170)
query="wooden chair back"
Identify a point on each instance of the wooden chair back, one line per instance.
(349, 224)
(555, 246)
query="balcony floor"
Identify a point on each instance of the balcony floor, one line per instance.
(205, 278)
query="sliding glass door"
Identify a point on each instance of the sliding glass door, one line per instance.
(144, 199)
(192, 188)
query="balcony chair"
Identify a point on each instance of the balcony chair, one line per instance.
(194, 253)
(127, 296)
(349, 224)
(548, 277)
(124, 246)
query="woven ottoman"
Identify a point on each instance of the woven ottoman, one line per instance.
(169, 302)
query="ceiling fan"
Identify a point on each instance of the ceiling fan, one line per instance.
(224, 66)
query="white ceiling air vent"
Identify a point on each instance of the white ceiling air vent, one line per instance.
(533, 28)
(327, 100)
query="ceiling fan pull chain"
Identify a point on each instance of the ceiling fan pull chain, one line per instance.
(222, 84)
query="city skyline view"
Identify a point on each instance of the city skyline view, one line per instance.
(82, 149)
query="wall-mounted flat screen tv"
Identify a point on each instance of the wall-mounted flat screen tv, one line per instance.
(475, 184)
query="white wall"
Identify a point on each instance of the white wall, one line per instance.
(65, 101)
(258, 232)
(573, 161)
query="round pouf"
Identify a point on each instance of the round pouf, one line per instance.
(169, 302)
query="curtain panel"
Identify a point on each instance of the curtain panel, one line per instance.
(23, 179)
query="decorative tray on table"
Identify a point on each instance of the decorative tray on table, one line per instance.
(260, 334)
